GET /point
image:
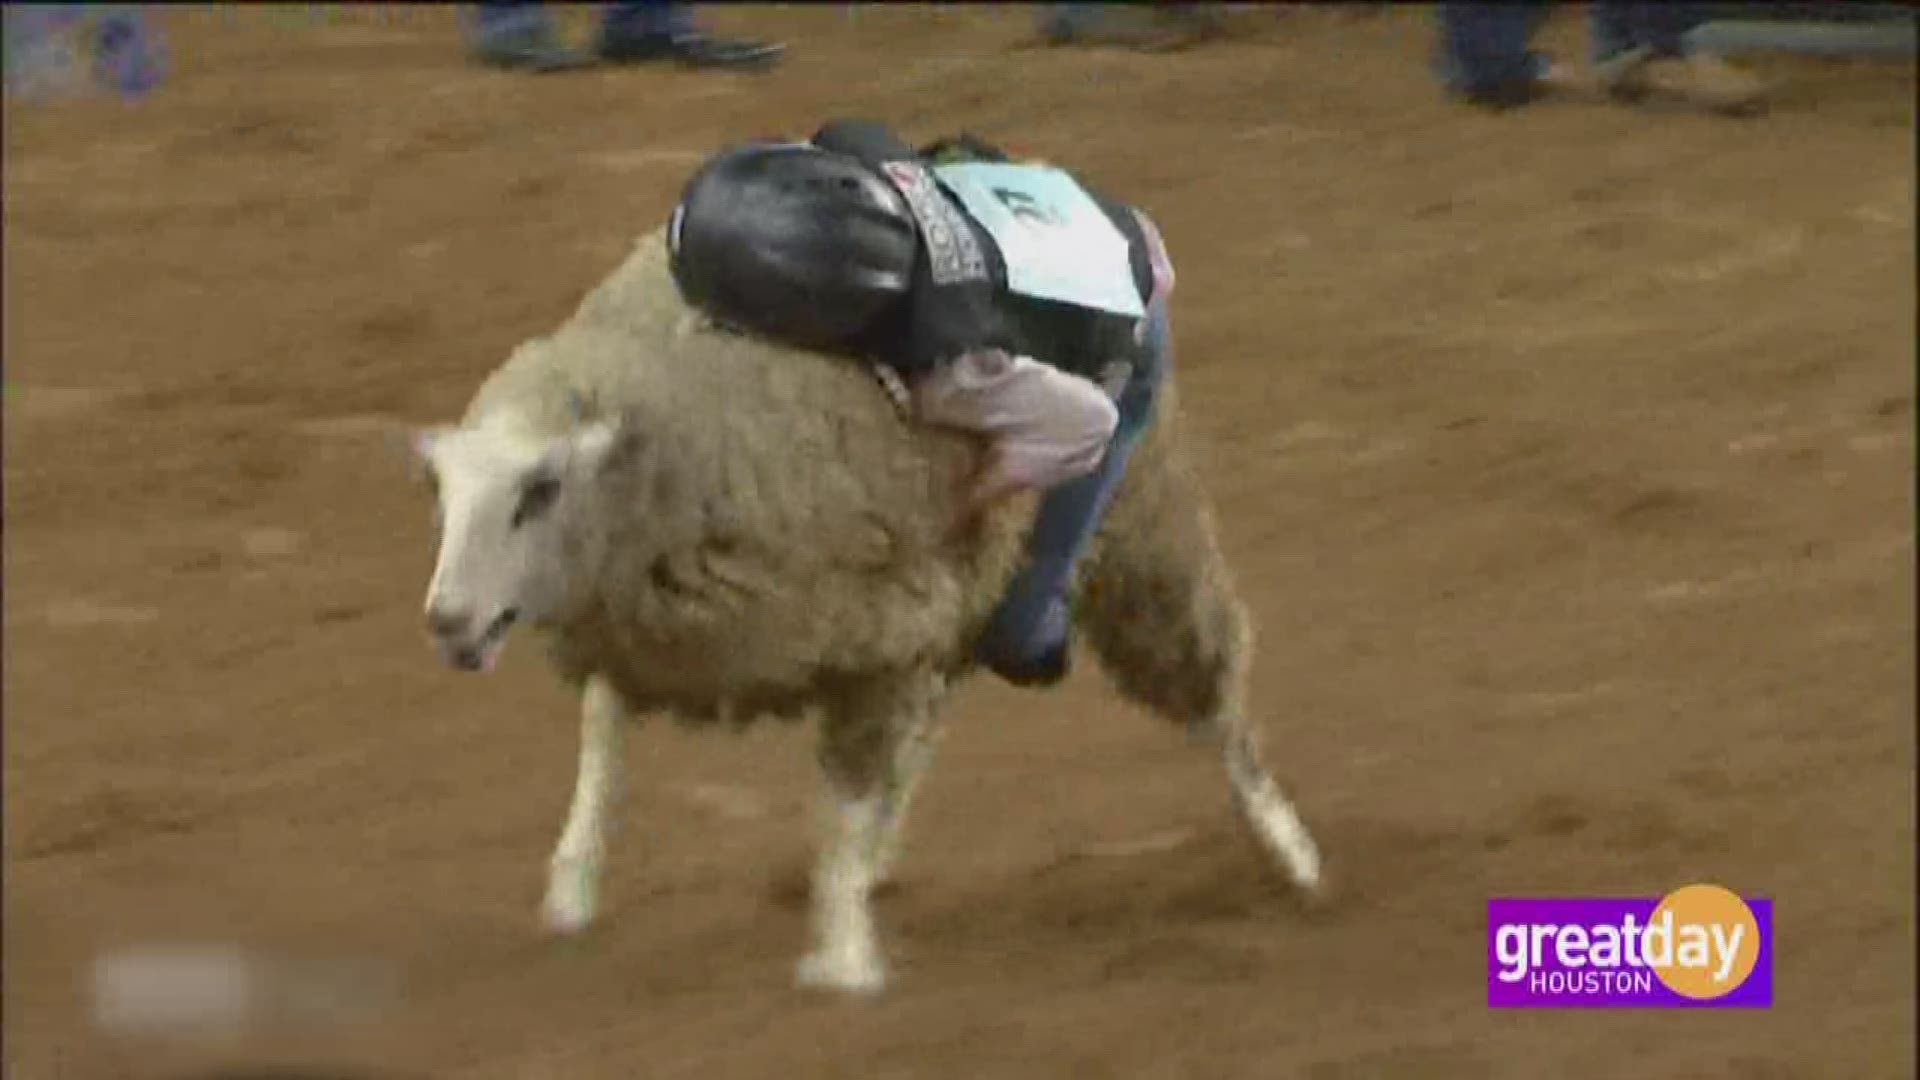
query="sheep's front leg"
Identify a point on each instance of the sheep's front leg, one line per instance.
(915, 741)
(573, 875)
(855, 749)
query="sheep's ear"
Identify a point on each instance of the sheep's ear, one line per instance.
(415, 447)
(419, 443)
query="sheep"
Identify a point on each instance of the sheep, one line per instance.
(717, 528)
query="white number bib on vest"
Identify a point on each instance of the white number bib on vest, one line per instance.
(1057, 243)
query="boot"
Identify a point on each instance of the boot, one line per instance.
(1701, 80)
(528, 47)
(693, 48)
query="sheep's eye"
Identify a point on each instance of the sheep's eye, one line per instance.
(535, 497)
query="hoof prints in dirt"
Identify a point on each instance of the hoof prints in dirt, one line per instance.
(1217, 876)
(292, 1073)
(109, 819)
(1642, 827)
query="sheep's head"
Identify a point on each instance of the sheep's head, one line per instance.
(503, 506)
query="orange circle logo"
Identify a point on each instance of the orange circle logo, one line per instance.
(1701, 942)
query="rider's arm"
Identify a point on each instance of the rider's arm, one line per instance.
(1047, 426)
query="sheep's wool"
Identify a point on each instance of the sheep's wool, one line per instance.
(778, 521)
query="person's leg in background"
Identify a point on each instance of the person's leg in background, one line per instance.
(57, 50)
(1063, 23)
(127, 56)
(520, 34)
(1485, 52)
(43, 57)
(1141, 26)
(1660, 28)
(659, 30)
(1642, 48)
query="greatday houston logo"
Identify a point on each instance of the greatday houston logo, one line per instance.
(1700, 946)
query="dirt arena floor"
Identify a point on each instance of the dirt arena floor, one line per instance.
(1564, 459)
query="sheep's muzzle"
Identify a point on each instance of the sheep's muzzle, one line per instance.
(464, 642)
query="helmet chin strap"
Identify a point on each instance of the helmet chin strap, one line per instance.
(895, 387)
(673, 226)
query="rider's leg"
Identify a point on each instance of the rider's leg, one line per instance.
(1028, 639)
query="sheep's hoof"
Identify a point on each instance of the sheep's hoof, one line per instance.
(566, 915)
(1307, 873)
(849, 974)
(569, 906)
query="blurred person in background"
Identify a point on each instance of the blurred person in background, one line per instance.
(59, 50)
(519, 34)
(1638, 51)
(127, 55)
(1152, 27)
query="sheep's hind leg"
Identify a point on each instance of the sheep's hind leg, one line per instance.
(573, 875)
(1161, 613)
(1266, 808)
(858, 736)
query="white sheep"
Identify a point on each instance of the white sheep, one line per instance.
(715, 527)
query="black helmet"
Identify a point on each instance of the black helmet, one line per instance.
(792, 241)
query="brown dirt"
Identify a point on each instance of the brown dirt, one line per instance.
(1564, 458)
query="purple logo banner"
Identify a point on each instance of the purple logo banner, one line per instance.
(1700, 946)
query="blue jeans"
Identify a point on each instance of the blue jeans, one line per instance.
(123, 54)
(1485, 46)
(1034, 617)
(1071, 18)
(633, 18)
